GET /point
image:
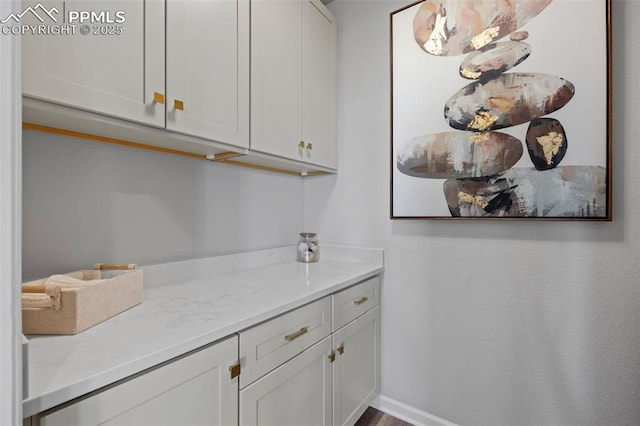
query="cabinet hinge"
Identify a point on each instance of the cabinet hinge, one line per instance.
(235, 370)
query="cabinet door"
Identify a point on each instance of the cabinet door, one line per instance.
(356, 368)
(296, 393)
(194, 390)
(319, 85)
(114, 69)
(208, 69)
(276, 77)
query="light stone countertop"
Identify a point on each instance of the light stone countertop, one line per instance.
(187, 305)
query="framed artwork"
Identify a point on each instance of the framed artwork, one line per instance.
(501, 109)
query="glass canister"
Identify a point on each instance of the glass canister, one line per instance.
(308, 249)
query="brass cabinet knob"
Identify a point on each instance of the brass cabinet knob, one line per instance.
(234, 370)
(158, 98)
(301, 144)
(340, 349)
(179, 105)
(309, 146)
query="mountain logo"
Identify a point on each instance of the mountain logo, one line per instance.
(39, 11)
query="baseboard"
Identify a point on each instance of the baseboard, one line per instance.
(407, 413)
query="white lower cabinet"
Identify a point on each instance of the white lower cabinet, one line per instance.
(297, 393)
(286, 369)
(317, 365)
(196, 389)
(356, 369)
(274, 342)
(331, 382)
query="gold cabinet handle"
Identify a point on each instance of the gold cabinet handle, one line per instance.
(179, 105)
(309, 146)
(332, 357)
(301, 144)
(297, 334)
(158, 98)
(361, 300)
(234, 370)
(340, 349)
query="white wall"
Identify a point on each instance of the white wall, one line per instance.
(491, 323)
(86, 202)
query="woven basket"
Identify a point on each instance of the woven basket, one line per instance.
(73, 302)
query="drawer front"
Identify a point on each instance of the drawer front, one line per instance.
(354, 301)
(270, 344)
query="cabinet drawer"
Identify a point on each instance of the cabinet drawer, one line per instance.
(354, 301)
(270, 344)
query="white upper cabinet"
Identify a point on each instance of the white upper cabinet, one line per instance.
(114, 69)
(204, 93)
(208, 69)
(319, 94)
(276, 77)
(254, 77)
(293, 80)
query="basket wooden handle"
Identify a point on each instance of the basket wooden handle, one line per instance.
(118, 266)
(35, 288)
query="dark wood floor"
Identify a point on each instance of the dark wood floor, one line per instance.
(373, 417)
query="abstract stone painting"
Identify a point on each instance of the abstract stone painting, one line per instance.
(476, 84)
